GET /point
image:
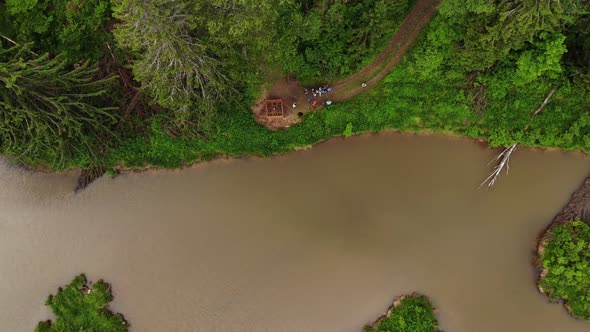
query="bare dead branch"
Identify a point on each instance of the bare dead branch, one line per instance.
(17, 44)
(504, 159)
(541, 107)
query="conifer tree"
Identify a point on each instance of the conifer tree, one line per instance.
(50, 112)
(172, 63)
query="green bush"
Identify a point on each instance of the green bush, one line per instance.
(567, 260)
(79, 308)
(413, 314)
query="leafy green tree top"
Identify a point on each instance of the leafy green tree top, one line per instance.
(567, 260)
(491, 29)
(82, 308)
(73, 27)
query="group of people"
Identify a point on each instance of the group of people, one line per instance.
(322, 90)
(319, 91)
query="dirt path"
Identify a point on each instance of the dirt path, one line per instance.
(351, 86)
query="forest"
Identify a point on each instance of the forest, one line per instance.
(126, 83)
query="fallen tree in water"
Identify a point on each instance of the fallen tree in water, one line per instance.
(503, 159)
(89, 175)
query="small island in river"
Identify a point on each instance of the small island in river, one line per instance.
(408, 313)
(83, 307)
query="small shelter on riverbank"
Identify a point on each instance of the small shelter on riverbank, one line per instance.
(274, 108)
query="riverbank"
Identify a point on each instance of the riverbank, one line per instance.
(572, 211)
(83, 175)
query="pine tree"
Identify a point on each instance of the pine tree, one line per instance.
(172, 64)
(49, 112)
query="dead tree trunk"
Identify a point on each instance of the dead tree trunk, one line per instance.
(503, 159)
(541, 107)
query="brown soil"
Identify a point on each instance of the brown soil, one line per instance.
(350, 86)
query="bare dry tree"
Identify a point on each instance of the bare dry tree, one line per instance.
(502, 161)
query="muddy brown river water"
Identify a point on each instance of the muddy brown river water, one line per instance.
(318, 240)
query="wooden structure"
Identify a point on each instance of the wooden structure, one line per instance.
(274, 108)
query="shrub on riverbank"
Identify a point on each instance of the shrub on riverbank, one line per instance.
(413, 314)
(80, 308)
(566, 260)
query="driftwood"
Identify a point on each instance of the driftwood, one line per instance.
(88, 176)
(503, 159)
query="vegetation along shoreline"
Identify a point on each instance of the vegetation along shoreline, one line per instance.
(451, 79)
(563, 255)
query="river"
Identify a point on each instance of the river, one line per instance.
(317, 240)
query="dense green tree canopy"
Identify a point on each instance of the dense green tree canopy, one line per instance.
(493, 28)
(75, 28)
(567, 260)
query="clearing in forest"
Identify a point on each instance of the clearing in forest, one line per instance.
(293, 94)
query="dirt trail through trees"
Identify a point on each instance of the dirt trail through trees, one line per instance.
(351, 86)
(390, 57)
